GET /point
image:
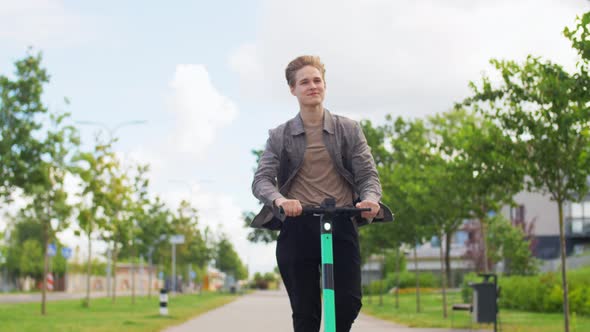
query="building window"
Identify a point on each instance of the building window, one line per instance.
(577, 210)
(579, 218)
(517, 215)
(461, 238)
(435, 242)
(457, 240)
(580, 210)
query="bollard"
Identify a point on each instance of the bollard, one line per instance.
(163, 302)
(49, 281)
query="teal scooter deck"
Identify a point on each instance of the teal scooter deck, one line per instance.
(327, 211)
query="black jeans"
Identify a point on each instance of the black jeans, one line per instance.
(299, 260)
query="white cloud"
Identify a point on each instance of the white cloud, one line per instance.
(244, 61)
(199, 108)
(43, 23)
(401, 57)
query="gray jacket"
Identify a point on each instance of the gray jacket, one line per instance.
(283, 156)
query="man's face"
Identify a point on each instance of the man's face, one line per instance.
(309, 86)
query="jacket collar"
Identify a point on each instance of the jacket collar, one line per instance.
(297, 128)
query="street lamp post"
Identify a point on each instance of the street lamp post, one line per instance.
(111, 132)
(174, 240)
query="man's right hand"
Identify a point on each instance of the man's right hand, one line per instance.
(292, 207)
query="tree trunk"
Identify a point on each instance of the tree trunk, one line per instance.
(369, 283)
(397, 272)
(443, 275)
(114, 273)
(89, 268)
(382, 277)
(417, 280)
(563, 267)
(45, 267)
(150, 279)
(133, 276)
(482, 227)
(448, 271)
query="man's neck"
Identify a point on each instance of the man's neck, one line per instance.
(312, 116)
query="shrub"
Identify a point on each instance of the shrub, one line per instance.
(466, 290)
(541, 293)
(406, 280)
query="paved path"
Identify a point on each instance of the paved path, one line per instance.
(55, 296)
(269, 311)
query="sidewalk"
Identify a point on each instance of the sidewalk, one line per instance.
(269, 311)
(57, 296)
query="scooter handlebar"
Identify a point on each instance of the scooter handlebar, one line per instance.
(307, 210)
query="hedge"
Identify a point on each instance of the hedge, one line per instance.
(540, 293)
(406, 280)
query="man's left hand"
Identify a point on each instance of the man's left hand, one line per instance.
(369, 215)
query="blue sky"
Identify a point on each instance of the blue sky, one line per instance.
(207, 76)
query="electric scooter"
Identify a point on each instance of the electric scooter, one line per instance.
(327, 211)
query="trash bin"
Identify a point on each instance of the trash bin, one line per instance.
(484, 302)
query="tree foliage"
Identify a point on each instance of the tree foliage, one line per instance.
(227, 259)
(510, 245)
(545, 110)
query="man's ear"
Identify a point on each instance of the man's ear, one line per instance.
(292, 88)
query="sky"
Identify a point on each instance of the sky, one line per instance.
(206, 78)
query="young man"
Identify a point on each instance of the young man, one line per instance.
(311, 157)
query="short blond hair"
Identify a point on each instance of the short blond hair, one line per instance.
(300, 62)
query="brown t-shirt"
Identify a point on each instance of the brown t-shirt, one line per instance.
(318, 178)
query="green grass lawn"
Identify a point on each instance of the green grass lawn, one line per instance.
(69, 315)
(431, 315)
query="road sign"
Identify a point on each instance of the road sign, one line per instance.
(177, 239)
(192, 274)
(66, 252)
(161, 275)
(51, 250)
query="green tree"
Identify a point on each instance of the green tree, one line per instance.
(485, 160)
(20, 109)
(43, 157)
(509, 244)
(118, 211)
(31, 259)
(22, 228)
(93, 170)
(258, 235)
(401, 150)
(139, 208)
(49, 197)
(227, 259)
(154, 232)
(545, 109)
(25, 228)
(195, 249)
